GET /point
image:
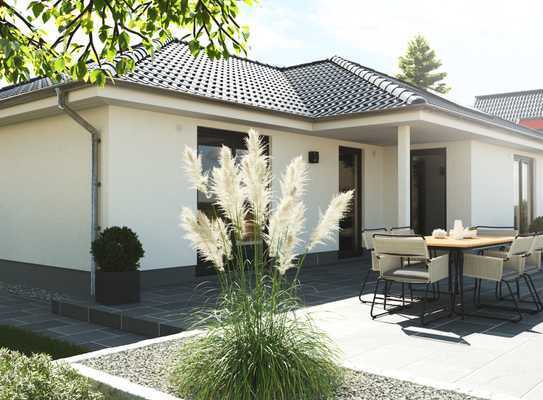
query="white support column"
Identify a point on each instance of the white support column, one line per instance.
(404, 175)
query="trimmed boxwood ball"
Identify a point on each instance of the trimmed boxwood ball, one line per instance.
(117, 249)
(37, 377)
(537, 225)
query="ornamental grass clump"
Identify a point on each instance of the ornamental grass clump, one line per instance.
(38, 377)
(256, 346)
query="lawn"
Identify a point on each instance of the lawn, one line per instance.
(28, 342)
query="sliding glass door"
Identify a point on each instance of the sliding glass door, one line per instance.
(523, 192)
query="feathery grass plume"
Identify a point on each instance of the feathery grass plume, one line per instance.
(329, 221)
(286, 249)
(256, 176)
(294, 179)
(289, 214)
(193, 168)
(255, 346)
(211, 239)
(226, 185)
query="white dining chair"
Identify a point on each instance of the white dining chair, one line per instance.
(391, 252)
(367, 242)
(500, 267)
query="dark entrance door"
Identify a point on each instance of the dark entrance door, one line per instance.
(210, 142)
(428, 190)
(350, 177)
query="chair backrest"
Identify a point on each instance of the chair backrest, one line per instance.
(367, 237)
(400, 246)
(484, 230)
(402, 230)
(521, 245)
(537, 244)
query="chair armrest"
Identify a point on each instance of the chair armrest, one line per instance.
(438, 268)
(495, 253)
(483, 267)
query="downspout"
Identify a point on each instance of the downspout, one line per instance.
(95, 141)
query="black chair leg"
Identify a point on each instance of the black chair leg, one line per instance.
(373, 316)
(533, 291)
(424, 301)
(387, 288)
(515, 302)
(364, 287)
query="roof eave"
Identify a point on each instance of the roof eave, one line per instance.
(38, 94)
(533, 134)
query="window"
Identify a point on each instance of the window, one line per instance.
(523, 192)
(210, 142)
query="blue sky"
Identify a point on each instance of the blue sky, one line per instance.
(486, 46)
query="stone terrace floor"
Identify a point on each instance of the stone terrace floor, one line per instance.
(36, 316)
(490, 358)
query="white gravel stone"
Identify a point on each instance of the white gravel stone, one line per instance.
(31, 293)
(150, 366)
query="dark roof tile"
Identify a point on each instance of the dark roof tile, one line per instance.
(320, 89)
(512, 106)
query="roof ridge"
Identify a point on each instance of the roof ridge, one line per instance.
(305, 64)
(382, 82)
(505, 94)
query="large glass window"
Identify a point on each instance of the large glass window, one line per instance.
(523, 192)
(210, 142)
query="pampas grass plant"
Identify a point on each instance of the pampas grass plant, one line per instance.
(256, 346)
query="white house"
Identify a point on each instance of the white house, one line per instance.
(415, 158)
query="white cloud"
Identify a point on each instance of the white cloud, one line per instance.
(491, 44)
(271, 26)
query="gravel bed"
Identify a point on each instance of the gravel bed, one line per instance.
(31, 293)
(149, 366)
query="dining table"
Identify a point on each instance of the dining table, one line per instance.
(456, 249)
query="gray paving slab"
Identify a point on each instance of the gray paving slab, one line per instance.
(36, 316)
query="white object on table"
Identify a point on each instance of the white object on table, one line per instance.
(470, 233)
(439, 233)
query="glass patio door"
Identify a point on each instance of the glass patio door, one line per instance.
(350, 178)
(428, 190)
(523, 192)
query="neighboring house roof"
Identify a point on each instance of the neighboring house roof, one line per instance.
(333, 87)
(513, 106)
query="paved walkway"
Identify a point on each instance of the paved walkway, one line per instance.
(489, 358)
(36, 316)
(486, 357)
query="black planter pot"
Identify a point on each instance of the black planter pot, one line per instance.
(113, 288)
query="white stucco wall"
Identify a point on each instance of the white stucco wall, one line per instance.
(45, 198)
(144, 186)
(45, 191)
(143, 183)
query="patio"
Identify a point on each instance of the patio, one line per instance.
(479, 356)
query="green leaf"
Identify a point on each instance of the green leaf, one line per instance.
(37, 8)
(98, 77)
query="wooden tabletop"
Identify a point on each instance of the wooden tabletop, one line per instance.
(479, 241)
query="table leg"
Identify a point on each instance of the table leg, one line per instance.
(450, 284)
(460, 269)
